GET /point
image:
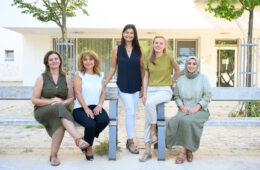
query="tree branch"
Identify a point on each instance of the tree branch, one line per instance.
(57, 20)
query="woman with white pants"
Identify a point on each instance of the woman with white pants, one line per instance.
(157, 85)
(128, 57)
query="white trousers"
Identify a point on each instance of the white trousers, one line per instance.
(155, 96)
(130, 101)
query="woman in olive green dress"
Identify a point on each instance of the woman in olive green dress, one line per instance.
(193, 93)
(52, 94)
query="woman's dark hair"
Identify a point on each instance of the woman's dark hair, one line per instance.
(45, 61)
(135, 42)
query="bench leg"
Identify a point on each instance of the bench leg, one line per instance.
(112, 129)
(112, 140)
(161, 140)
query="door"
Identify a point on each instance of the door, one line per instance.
(226, 66)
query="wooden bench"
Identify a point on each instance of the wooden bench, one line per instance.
(25, 93)
(218, 94)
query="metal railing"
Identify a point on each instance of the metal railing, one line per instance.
(67, 49)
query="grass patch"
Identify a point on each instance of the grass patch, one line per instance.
(28, 150)
(252, 109)
(33, 126)
(102, 147)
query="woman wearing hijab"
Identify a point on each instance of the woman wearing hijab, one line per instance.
(193, 94)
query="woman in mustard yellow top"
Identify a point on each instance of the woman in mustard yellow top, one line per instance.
(157, 88)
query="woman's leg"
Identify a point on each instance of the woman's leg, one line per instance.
(102, 120)
(89, 124)
(130, 102)
(70, 127)
(55, 145)
(154, 97)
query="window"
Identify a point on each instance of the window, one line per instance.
(9, 55)
(184, 49)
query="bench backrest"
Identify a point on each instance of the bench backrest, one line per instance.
(218, 93)
(25, 93)
(235, 94)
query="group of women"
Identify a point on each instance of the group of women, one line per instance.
(150, 79)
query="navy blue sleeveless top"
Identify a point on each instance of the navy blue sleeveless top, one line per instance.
(129, 72)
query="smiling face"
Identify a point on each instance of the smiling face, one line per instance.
(88, 62)
(54, 61)
(159, 45)
(191, 65)
(129, 35)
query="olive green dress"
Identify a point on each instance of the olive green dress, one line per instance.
(50, 115)
(186, 129)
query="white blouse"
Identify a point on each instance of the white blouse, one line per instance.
(91, 89)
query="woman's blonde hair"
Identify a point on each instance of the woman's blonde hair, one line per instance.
(92, 55)
(152, 54)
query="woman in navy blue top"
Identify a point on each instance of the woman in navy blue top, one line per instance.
(128, 57)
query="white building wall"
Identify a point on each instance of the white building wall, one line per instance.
(35, 47)
(10, 70)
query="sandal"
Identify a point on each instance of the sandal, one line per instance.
(89, 157)
(154, 138)
(133, 150)
(189, 156)
(180, 158)
(83, 146)
(54, 162)
(145, 157)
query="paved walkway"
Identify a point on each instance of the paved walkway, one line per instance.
(24, 147)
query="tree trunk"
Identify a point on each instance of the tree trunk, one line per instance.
(250, 49)
(64, 22)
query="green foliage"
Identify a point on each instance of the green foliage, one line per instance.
(33, 126)
(228, 9)
(50, 10)
(102, 147)
(28, 150)
(252, 109)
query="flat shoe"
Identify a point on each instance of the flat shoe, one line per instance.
(54, 162)
(146, 156)
(180, 158)
(189, 156)
(90, 158)
(132, 150)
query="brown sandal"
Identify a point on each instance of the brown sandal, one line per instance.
(83, 146)
(180, 158)
(133, 150)
(189, 155)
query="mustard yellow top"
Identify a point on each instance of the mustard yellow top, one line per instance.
(160, 73)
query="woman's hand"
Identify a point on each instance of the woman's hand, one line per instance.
(184, 109)
(141, 93)
(89, 113)
(194, 109)
(97, 110)
(144, 99)
(56, 100)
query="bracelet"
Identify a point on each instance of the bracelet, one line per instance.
(99, 105)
